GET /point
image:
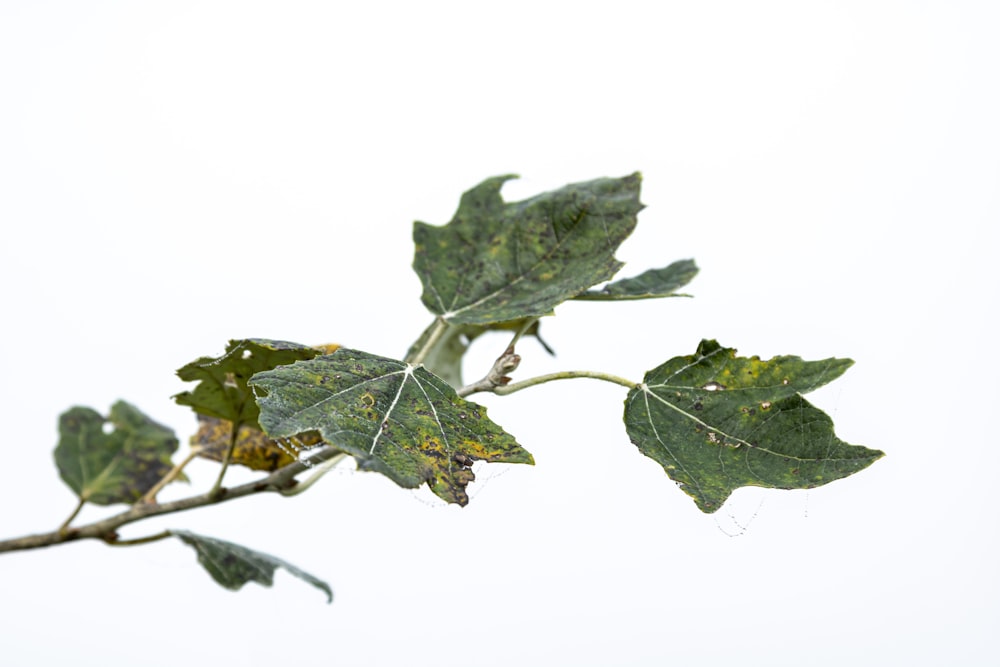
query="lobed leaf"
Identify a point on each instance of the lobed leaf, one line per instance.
(395, 418)
(716, 422)
(498, 261)
(118, 466)
(651, 284)
(232, 565)
(222, 390)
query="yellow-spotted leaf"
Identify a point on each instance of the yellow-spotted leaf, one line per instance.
(393, 417)
(716, 422)
(498, 261)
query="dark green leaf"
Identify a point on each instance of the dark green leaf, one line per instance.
(232, 565)
(222, 381)
(395, 418)
(651, 284)
(497, 261)
(117, 466)
(717, 422)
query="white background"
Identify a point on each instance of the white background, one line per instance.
(176, 174)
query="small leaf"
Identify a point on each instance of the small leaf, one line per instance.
(497, 261)
(651, 284)
(222, 381)
(253, 449)
(117, 466)
(232, 565)
(716, 422)
(395, 418)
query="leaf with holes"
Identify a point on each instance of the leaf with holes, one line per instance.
(222, 381)
(232, 565)
(117, 465)
(651, 284)
(716, 422)
(253, 448)
(498, 261)
(396, 419)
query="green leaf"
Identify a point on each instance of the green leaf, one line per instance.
(716, 422)
(232, 565)
(651, 284)
(222, 390)
(497, 261)
(395, 418)
(118, 466)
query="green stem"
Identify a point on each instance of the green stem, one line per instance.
(523, 330)
(437, 330)
(233, 434)
(564, 375)
(64, 527)
(150, 496)
(321, 470)
(112, 540)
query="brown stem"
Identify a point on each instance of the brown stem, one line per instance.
(112, 540)
(150, 496)
(106, 529)
(65, 524)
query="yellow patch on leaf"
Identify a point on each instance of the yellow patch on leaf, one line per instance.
(253, 449)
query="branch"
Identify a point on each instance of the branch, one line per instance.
(106, 529)
(505, 389)
(565, 375)
(497, 376)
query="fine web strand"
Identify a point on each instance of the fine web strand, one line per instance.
(736, 526)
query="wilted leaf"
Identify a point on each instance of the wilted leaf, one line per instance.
(651, 284)
(445, 358)
(497, 261)
(253, 449)
(395, 418)
(717, 422)
(117, 466)
(222, 381)
(232, 565)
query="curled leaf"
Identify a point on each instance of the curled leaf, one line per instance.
(651, 284)
(232, 565)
